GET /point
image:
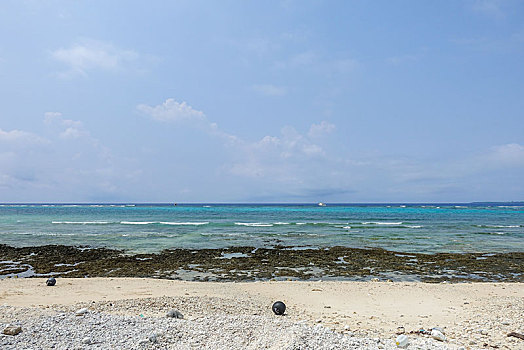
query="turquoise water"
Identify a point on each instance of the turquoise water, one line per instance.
(149, 228)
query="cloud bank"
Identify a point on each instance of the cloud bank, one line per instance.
(65, 162)
(296, 165)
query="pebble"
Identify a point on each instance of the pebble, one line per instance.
(153, 338)
(143, 342)
(439, 329)
(402, 341)
(217, 323)
(174, 314)
(12, 330)
(220, 331)
(81, 311)
(438, 335)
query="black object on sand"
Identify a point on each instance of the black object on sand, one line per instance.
(51, 281)
(279, 308)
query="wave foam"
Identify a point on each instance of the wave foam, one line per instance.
(183, 223)
(381, 223)
(253, 224)
(137, 222)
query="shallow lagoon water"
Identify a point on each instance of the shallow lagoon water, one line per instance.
(421, 228)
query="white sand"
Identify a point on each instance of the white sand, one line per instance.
(472, 314)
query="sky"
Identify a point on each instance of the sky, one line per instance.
(261, 101)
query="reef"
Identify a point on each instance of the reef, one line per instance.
(250, 264)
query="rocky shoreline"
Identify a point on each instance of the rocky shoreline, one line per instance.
(251, 264)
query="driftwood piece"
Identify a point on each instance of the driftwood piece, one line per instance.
(516, 335)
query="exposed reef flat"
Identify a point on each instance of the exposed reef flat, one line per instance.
(249, 264)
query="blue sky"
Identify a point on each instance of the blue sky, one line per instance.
(261, 101)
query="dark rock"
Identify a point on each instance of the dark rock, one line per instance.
(174, 314)
(12, 330)
(279, 308)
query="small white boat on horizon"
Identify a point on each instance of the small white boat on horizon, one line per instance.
(320, 204)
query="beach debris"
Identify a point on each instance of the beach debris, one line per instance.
(421, 331)
(81, 312)
(86, 340)
(438, 335)
(516, 335)
(347, 328)
(279, 308)
(12, 330)
(401, 330)
(174, 314)
(51, 281)
(402, 341)
(483, 332)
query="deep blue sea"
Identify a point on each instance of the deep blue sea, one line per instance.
(428, 228)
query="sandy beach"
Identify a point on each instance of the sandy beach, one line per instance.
(471, 315)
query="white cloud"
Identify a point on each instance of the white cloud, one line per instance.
(281, 159)
(68, 164)
(19, 137)
(90, 55)
(180, 112)
(71, 129)
(317, 130)
(296, 165)
(270, 90)
(509, 154)
(173, 111)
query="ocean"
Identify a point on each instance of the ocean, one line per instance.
(149, 228)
